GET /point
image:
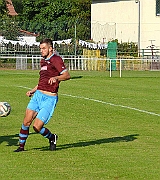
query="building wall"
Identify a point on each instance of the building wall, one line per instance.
(125, 15)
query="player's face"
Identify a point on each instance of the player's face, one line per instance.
(46, 50)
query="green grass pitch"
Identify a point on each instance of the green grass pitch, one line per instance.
(109, 128)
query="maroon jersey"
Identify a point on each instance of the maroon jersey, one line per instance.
(50, 68)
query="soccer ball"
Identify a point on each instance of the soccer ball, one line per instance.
(5, 109)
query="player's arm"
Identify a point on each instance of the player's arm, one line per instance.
(62, 77)
(31, 92)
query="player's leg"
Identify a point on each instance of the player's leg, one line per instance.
(43, 118)
(45, 132)
(30, 114)
(38, 126)
(24, 131)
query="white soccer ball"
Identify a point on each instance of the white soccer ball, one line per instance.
(5, 109)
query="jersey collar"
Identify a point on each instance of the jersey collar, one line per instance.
(47, 59)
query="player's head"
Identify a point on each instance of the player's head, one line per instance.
(46, 48)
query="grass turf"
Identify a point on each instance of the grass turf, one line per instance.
(108, 128)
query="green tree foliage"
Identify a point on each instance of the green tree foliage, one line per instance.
(10, 28)
(2, 12)
(56, 19)
(18, 6)
(2, 7)
(8, 25)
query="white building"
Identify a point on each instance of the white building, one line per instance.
(126, 20)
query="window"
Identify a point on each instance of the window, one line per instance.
(157, 7)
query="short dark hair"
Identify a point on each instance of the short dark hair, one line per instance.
(47, 41)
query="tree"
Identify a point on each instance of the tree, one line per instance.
(56, 19)
(18, 6)
(8, 25)
(2, 7)
(2, 12)
(10, 28)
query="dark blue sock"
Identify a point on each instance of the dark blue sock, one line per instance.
(46, 133)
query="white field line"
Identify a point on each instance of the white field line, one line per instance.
(103, 102)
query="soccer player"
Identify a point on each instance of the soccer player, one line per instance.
(44, 96)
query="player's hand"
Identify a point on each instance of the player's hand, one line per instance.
(52, 80)
(29, 93)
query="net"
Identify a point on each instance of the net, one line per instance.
(103, 32)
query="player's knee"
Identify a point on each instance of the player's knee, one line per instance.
(35, 129)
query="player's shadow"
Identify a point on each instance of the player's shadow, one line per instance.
(11, 140)
(127, 138)
(76, 77)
